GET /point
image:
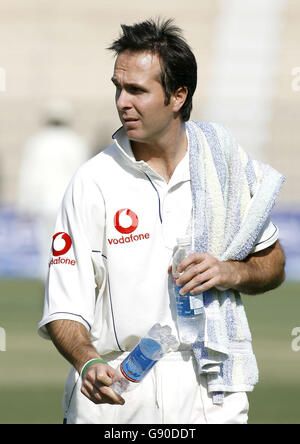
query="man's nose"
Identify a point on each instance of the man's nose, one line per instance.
(123, 100)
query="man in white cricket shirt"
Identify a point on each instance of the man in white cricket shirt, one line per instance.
(116, 231)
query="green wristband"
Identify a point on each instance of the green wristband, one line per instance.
(91, 362)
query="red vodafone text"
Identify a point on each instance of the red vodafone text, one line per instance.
(128, 239)
(62, 261)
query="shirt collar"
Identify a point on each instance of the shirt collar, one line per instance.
(123, 143)
(181, 173)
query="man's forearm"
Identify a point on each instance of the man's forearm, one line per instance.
(260, 272)
(72, 341)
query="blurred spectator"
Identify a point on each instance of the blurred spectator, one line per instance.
(49, 160)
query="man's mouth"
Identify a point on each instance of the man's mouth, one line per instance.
(130, 119)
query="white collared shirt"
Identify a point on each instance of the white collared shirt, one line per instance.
(116, 233)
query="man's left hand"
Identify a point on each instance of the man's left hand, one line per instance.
(201, 271)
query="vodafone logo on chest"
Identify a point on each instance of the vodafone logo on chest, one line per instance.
(126, 222)
(125, 215)
(61, 244)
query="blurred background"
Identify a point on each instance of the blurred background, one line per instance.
(57, 110)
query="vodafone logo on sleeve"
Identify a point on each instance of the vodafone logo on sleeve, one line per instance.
(61, 244)
(66, 244)
(126, 222)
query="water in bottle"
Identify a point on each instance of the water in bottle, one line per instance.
(189, 307)
(143, 357)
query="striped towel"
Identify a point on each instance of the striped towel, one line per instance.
(232, 198)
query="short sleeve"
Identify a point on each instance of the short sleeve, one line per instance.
(74, 276)
(268, 236)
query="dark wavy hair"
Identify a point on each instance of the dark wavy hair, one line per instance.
(178, 63)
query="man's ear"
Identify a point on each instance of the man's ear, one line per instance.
(179, 97)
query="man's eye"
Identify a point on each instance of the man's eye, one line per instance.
(136, 90)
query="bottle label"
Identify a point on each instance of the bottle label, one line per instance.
(136, 365)
(188, 305)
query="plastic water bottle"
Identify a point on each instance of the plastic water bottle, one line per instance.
(143, 357)
(189, 307)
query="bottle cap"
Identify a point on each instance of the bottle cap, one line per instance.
(185, 240)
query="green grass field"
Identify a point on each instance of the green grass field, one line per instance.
(32, 373)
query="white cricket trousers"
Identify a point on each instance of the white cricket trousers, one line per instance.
(171, 393)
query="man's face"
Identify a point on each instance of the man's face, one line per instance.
(140, 98)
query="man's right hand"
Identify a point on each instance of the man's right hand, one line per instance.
(96, 382)
(71, 338)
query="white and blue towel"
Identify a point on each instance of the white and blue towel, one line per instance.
(233, 196)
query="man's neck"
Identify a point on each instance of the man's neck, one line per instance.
(163, 156)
